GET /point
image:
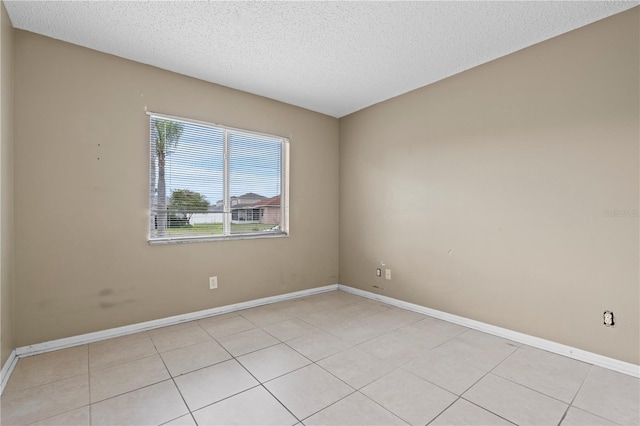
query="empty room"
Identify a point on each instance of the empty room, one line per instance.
(320, 213)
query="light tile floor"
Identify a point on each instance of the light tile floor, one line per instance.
(328, 359)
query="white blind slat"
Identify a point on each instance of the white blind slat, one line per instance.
(194, 195)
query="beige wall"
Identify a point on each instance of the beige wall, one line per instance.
(82, 260)
(6, 186)
(486, 192)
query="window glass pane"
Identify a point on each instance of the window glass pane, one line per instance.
(186, 179)
(255, 177)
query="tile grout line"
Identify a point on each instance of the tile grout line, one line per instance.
(489, 411)
(461, 396)
(474, 383)
(222, 399)
(280, 402)
(174, 384)
(540, 392)
(458, 397)
(333, 403)
(260, 383)
(392, 371)
(576, 395)
(434, 384)
(97, 402)
(224, 360)
(59, 414)
(319, 366)
(232, 358)
(356, 390)
(9, 395)
(445, 409)
(378, 404)
(519, 384)
(459, 360)
(282, 375)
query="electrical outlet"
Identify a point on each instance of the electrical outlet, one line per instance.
(378, 272)
(387, 274)
(213, 283)
(607, 318)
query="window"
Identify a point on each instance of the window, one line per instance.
(209, 182)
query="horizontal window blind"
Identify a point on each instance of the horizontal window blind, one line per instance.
(212, 182)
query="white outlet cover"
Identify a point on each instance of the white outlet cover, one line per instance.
(213, 283)
(387, 274)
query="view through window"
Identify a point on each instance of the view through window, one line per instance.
(211, 182)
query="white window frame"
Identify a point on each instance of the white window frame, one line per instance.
(227, 235)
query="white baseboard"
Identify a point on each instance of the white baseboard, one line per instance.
(536, 342)
(83, 339)
(568, 351)
(7, 369)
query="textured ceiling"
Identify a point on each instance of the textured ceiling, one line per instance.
(330, 57)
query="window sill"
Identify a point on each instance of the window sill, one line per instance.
(186, 240)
